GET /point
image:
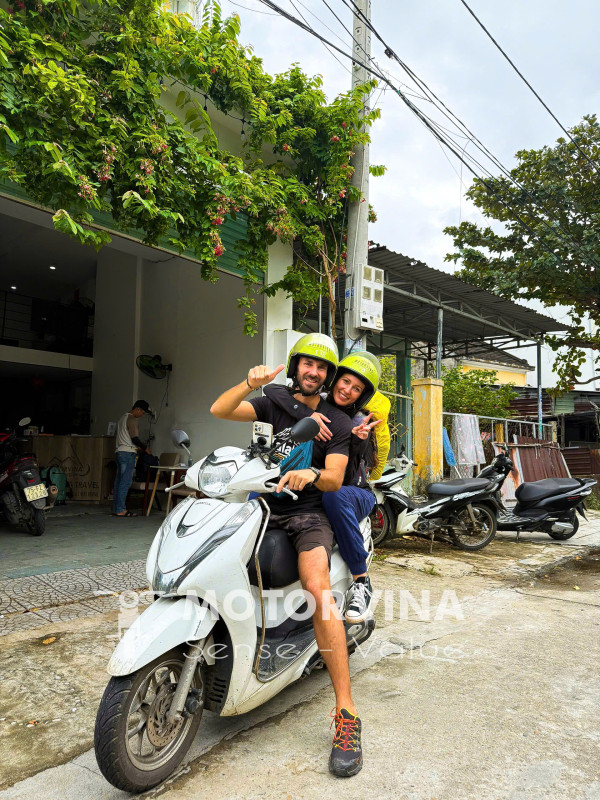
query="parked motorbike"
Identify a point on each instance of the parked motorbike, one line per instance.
(463, 509)
(550, 505)
(24, 498)
(230, 627)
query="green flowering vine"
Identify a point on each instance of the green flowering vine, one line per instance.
(102, 108)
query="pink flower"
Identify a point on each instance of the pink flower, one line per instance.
(334, 139)
(286, 147)
(219, 250)
(344, 124)
(217, 221)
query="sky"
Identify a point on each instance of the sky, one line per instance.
(552, 42)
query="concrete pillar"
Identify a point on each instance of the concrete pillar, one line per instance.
(278, 310)
(427, 421)
(115, 378)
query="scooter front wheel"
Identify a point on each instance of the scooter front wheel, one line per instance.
(467, 535)
(136, 746)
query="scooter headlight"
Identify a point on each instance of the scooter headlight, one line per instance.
(214, 479)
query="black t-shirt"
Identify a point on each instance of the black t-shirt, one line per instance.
(355, 474)
(304, 455)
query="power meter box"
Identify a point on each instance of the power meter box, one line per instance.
(365, 298)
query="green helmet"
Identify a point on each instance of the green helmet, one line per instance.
(314, 345)
(366, 368)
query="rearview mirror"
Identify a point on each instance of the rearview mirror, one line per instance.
(305, 430)
(180, 439)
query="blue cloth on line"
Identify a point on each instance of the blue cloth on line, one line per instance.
(448, 452)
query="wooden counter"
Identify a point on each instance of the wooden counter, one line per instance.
(86, 461)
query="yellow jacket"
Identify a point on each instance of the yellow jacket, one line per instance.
(379, 406)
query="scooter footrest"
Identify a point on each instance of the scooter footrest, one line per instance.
(280, 652)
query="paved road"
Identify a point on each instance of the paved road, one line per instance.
(496, 698)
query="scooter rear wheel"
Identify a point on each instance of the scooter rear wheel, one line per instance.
(136, 747)
(562, 537)
(467, 536)
(37, 526)
(381, 523)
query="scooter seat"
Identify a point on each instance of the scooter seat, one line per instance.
(278, 561)
(448, 488)
(539, 490)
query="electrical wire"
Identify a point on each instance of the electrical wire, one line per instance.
(451, 116)
(255, 10)
(555, 231)
(348, 31)
(526, 82)
(343, 66)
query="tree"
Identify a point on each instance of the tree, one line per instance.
(87, 125)
(476, 392)
(550, 250)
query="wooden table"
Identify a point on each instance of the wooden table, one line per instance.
(175, 474)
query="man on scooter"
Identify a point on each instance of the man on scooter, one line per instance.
(312, 363)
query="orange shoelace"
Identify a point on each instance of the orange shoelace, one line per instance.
(346, 731)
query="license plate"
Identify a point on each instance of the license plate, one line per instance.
(35, 492)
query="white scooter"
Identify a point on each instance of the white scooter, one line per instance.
(231, 626)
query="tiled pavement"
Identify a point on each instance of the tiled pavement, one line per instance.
(33, 601)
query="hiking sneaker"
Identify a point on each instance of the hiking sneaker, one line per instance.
(346, 754)
(358, 608)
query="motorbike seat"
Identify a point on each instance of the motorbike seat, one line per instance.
(539, 490)
(448, 488)
(278, 561)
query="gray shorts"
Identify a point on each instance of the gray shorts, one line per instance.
(306, 531)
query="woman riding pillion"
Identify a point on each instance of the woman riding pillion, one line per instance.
(354, 383)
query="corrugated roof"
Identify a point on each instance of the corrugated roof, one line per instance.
(469, 313)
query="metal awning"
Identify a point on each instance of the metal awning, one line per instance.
(414, 292)
(475, 321)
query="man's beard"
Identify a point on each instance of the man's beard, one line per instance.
(312, 393)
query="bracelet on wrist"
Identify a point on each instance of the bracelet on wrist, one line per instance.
(250, 387)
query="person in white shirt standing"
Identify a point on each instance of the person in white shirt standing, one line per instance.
(128, 444)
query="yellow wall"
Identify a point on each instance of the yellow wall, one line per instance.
(502, 376)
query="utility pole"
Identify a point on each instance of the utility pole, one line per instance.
(358, 213)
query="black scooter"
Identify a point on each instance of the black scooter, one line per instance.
(464, 510)
(24, 498)
(550, 505)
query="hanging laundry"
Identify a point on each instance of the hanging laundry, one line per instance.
(448, 452)
(466, 443)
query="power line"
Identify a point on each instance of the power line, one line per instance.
(555, 231)
(323, 41)
(480, 146)
(348, 31)
(255, 10)
(524, 79)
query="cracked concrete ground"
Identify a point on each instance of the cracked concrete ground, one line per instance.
(499, 704)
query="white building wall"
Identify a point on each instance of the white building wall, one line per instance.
(198, 328)
(162, 306)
